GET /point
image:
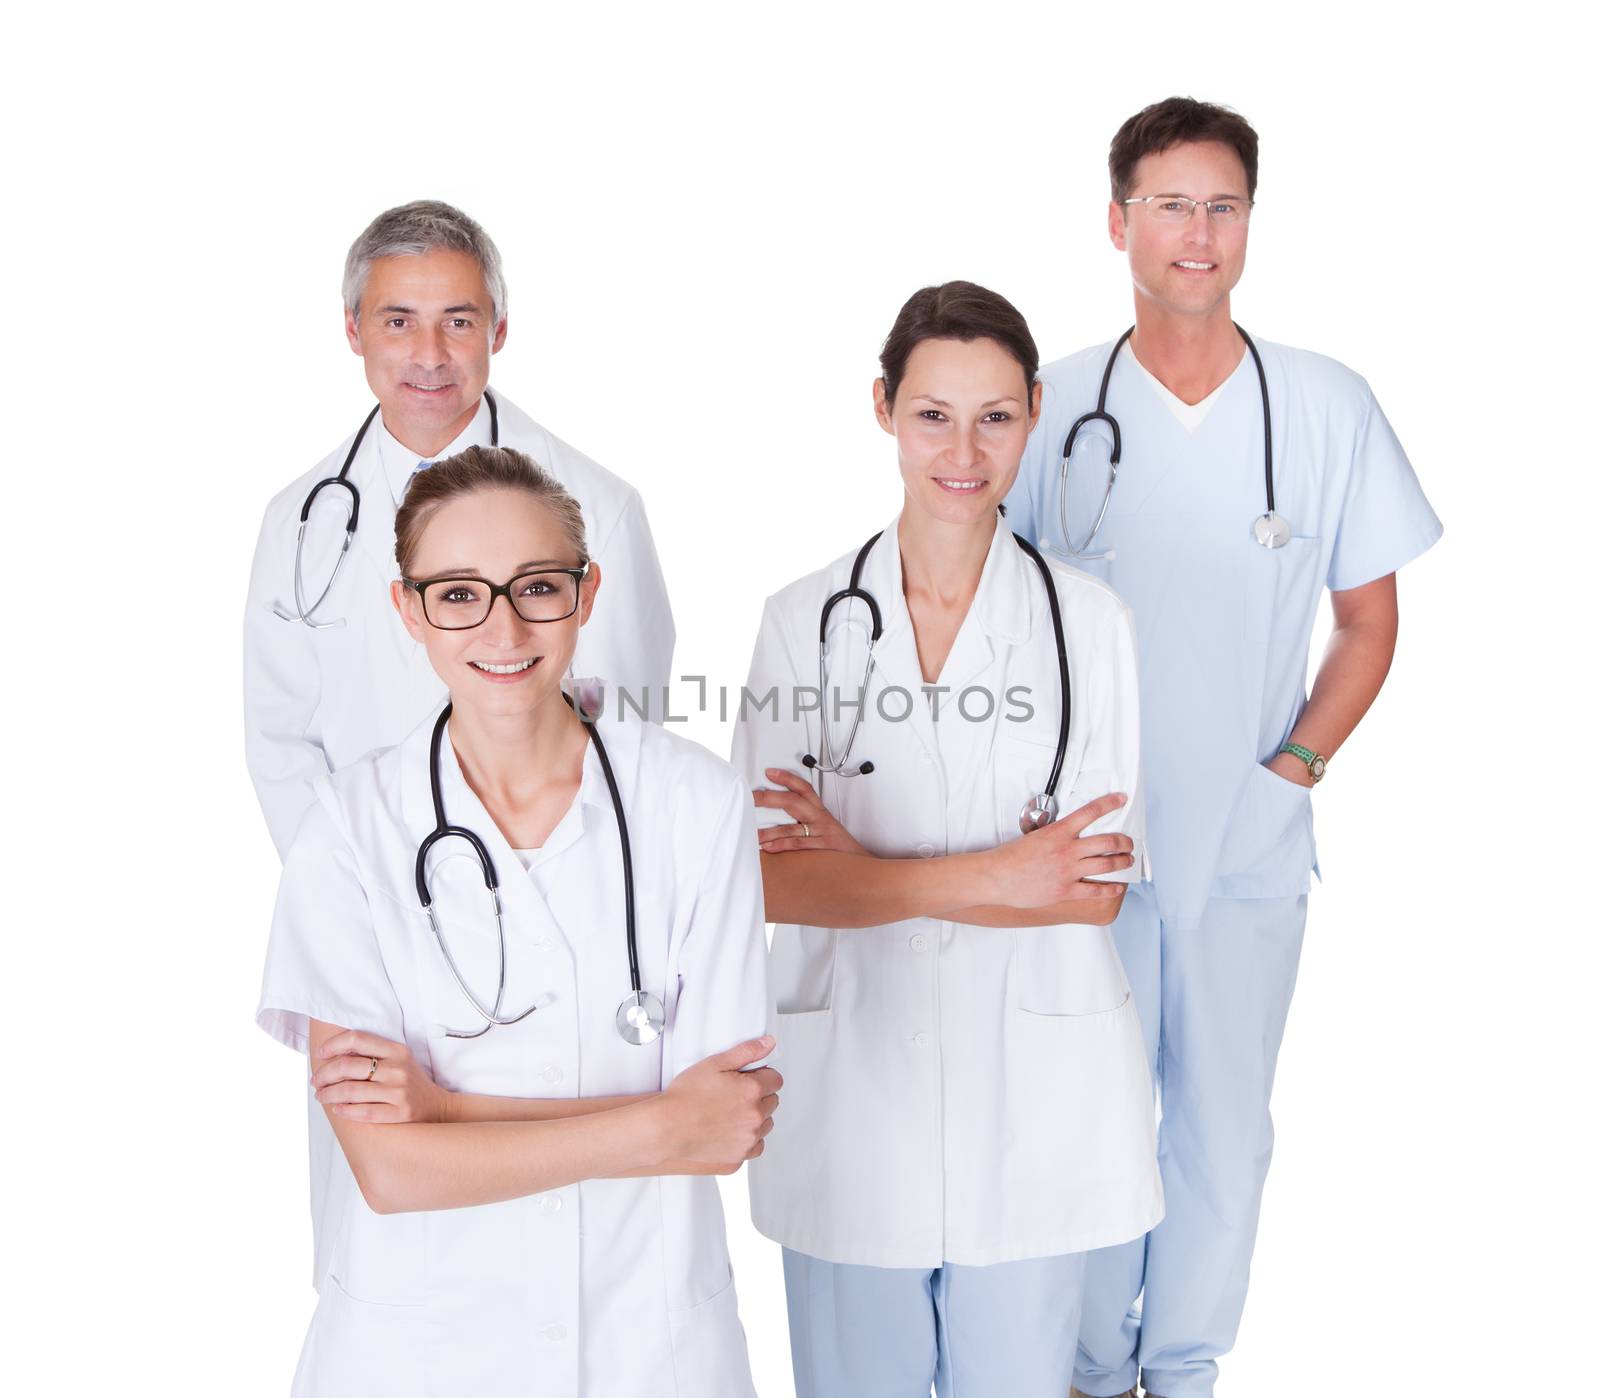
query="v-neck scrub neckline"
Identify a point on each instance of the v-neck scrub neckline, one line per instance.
(1189, 415)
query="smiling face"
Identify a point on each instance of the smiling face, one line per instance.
(1188, 267)
(425, 334)
(960, 418)
(506, 666)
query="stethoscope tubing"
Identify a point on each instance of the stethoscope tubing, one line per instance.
(627, 853)
(1100, 414)
(826, 762)
(342, 481)
(1266, 412)
(1061, 662)
(443, 829)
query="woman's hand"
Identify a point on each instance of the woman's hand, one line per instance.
(814, 828)
(364, 1078)
(714, 1116)
(1051, 864)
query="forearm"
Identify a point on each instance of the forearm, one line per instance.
(830, 888)
(1094, 912)
(452, 1165)
(1352, 672)
(472, 1106)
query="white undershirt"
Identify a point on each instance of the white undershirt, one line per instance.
(1189, 415)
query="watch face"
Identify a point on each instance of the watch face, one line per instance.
(1319, 765)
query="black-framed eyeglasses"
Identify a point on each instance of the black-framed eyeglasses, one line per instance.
(459, 604)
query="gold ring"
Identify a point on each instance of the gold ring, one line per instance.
(374, 1073)
(806, 828)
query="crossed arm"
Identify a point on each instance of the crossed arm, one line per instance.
(815, 872)
(411, 1145)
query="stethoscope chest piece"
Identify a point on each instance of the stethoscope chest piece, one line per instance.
(640, 1018)
(1038, 812)
(1271, 530)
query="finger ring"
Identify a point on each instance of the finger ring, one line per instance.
(806, 828)
(374, 1073)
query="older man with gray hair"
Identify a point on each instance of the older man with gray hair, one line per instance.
(330, 673)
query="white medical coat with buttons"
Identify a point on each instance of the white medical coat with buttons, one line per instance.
(1224, 624)
(605, 1287)
(954, 1093)
(315, 700)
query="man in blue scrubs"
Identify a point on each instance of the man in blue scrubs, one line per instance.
(1224, 573)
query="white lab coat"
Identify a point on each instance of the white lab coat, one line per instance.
(955, 1093)
(315, 700)
(604, 1287)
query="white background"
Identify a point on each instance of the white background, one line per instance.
(709, 217)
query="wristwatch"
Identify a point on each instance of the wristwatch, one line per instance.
(1316, 764)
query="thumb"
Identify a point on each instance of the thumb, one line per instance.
(743, 1055)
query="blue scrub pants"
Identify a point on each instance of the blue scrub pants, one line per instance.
(1005, 1331)
(1213, 1001)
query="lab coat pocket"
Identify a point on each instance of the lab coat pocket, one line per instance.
(380, 1258)
(709, 1356)
(1071, 970)
(1082, 1172)
(1267, 849)
(357, 1346)
(801, 968)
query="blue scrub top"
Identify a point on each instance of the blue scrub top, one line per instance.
(1224, 625)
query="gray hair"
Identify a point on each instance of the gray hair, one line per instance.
(416, 228)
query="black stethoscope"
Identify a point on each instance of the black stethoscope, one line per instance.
(1271, 530)
(640, 1018)
(342, 481)
(1039, 809)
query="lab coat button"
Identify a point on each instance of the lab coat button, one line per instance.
(918, 942)
(924, 756)
(555, 1332)
(925, 851)
(920, 1040)
(551, 1074)
(551, 1203)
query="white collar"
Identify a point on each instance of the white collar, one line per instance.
(1003, 604)
(461, 804)
(400, 463)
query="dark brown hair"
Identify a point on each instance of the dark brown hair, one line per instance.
(1175, 122)
(961, 311)
(481, 468)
